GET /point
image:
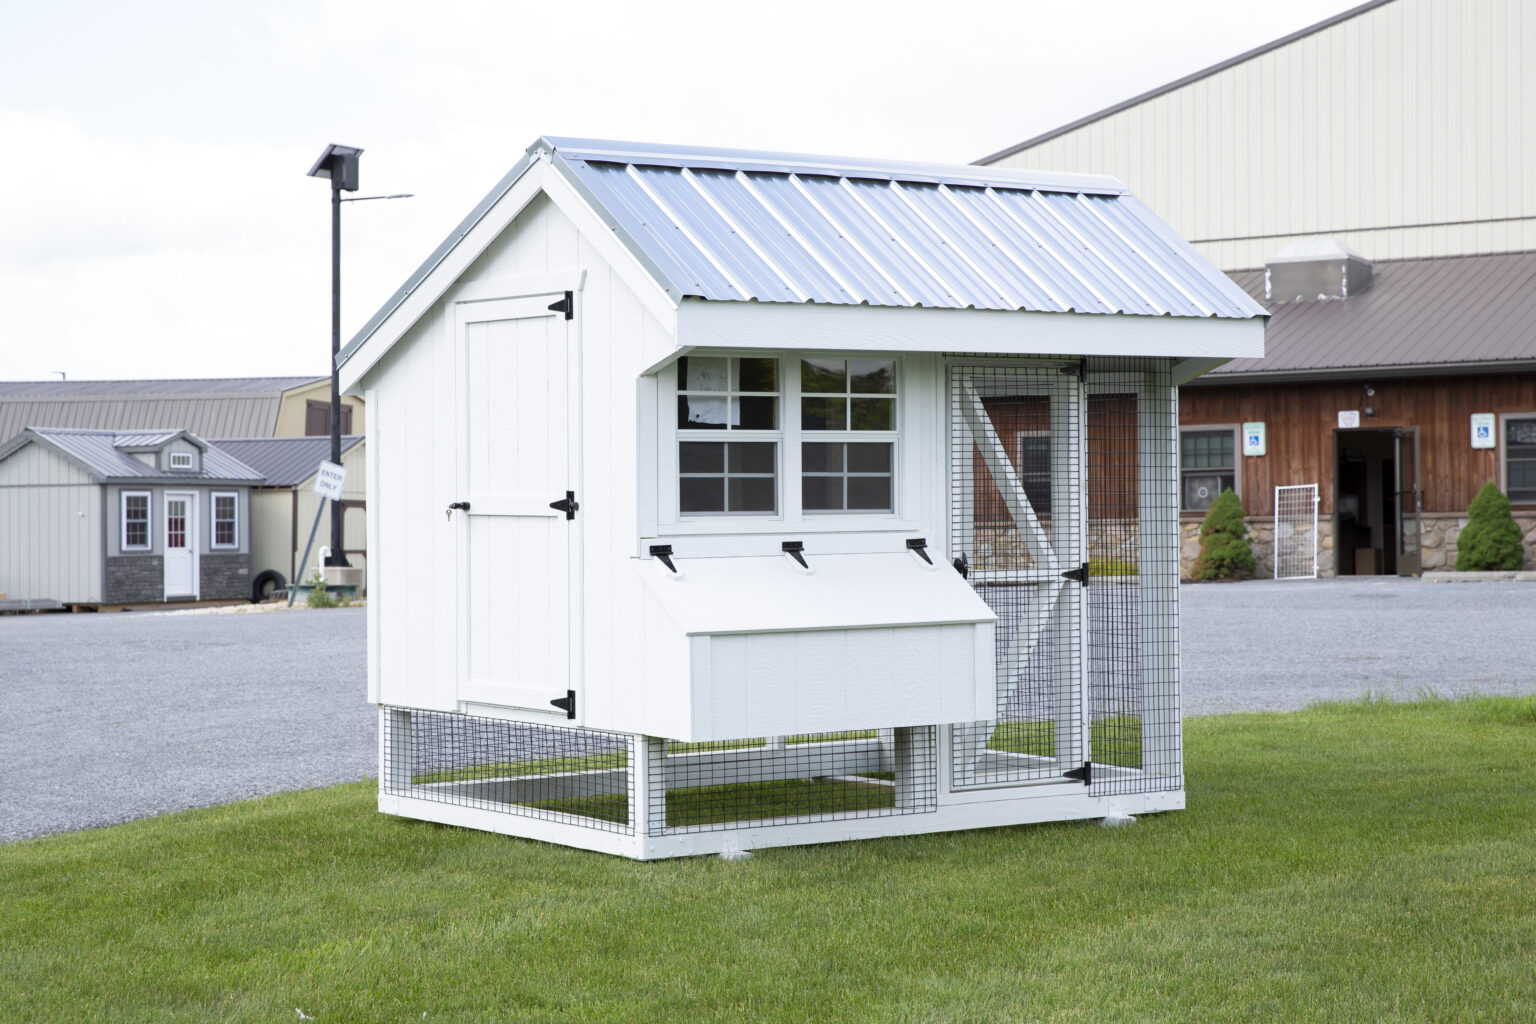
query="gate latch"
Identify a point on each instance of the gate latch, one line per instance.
(460, 506)
(1078, 575)
(962, 566)
(568, 505)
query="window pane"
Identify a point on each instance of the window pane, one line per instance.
(701, 494)
(1520, 431)
(756, 413)
(824, 376)
(701, 373)
(821, 493)
(821, 457)
(872, 376)
(869, 458)
(701, 413)
(701, 457)
(1200, 489)
(874, 414)
(1200, 449)
(757, 375)
(754, 457)
(1522, 480)
(752, 494)
(869, 493)
(823, 414)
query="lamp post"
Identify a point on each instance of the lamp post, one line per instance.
(338, 163)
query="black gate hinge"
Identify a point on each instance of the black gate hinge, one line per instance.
(566, 703)
(1078, 575)
(1078, 370)
(566, 305)
(568, 505)
(1085, 773)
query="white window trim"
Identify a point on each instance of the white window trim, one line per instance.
(213, 520)
(190, 463)
(1235, 429)
(149, 518)
(1503, 453)
(790, 515)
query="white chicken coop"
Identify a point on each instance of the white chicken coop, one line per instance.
(723, 499)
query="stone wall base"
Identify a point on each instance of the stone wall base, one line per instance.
(134, 578)
(224, 576)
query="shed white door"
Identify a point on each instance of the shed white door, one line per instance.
(181, 545)
(517, 365)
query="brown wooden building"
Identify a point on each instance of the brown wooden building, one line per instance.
(1399, 389)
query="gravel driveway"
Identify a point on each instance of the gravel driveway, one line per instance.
(111, 717)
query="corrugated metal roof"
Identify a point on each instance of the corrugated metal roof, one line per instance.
(283, 461)
(229, 407)
(733, 225)
(744, 225)
(152, 439)
(1461, 311)
(97, 451)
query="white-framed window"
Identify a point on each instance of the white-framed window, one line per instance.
(1207, 465)
(226, 519)
(135, 518)
(181, 460)
(784, 436)
(1519, 458)
(1032, 463)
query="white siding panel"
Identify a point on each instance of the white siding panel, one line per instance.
(50, 529)
(1413, 113)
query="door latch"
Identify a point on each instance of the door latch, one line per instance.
(962, 566)
(568, 505)
(462, 506)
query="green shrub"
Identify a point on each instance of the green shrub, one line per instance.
(318, 598)
(1491, 539)
(1224, 551)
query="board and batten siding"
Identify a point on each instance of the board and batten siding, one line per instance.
(51, 531)
(1416, 112)
(1301, 420)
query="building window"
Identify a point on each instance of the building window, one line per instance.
(855, 398)
(135, 521)
(1033, 465)
(317, 418)
(226, 519)
(1520, 459)
(845, 476)
(741, 397)
(181, 460)
(1207, 466)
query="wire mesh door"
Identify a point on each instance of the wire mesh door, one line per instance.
(1016, 466)
(1296, 532)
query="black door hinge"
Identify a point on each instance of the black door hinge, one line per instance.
(566, 305)
(567, 504)
(1079, 575)
(962, 566)
(566, 703)
(1085, 773)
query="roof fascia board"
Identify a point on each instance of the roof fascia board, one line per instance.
(1181, 82)
(1186, 370)
(752, 325)
(451, 259)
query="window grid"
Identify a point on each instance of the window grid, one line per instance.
(176, 522)
(1207, 466)
(226, 532)
(849, 476)
(1520, 459)
(181, 460)
(135, 520)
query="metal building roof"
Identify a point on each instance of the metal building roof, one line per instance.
(96, 451)
(232, 407)
(283, 461)
(1466, 313)
(741, 225)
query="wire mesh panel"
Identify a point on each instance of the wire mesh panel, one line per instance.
(784, 780)
(579, 776)
(1016, 442)
(1296, 532)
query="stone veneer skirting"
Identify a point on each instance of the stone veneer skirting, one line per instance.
(134, 578)
(224, 576)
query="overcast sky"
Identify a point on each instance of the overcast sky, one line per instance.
(156, 220)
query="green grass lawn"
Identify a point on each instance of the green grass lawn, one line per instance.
(1356, 862)
(1115, 739)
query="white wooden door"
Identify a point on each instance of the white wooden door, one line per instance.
(181, 545)
(516, 367)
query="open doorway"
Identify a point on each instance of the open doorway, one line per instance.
(1376, 502)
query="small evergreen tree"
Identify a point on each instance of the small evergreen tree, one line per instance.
(1491, 539)
(1224, 551)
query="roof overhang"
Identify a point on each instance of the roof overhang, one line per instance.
(1323, 375)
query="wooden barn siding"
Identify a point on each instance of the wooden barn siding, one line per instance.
(1112, 453)
(1301, 420)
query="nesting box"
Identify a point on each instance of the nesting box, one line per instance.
(722, 499)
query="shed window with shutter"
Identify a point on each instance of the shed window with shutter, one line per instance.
(1520, 459)
(317, 418)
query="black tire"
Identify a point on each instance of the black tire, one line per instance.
(267, 583)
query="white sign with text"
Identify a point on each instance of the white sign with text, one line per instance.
(329, 479)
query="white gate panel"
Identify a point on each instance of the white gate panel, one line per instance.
(1296, 532)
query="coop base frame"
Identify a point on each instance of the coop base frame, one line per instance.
(954, 809)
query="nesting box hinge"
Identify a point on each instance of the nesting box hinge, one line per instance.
(663, 552)
(568, 505)
(1085, 773)
(1079, 575)
(795, 549)
(566, 305)
(566, 703)
(920, 545)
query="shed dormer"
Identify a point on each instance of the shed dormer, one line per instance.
(171, 452)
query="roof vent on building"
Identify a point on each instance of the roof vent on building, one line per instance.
(1315, 269)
